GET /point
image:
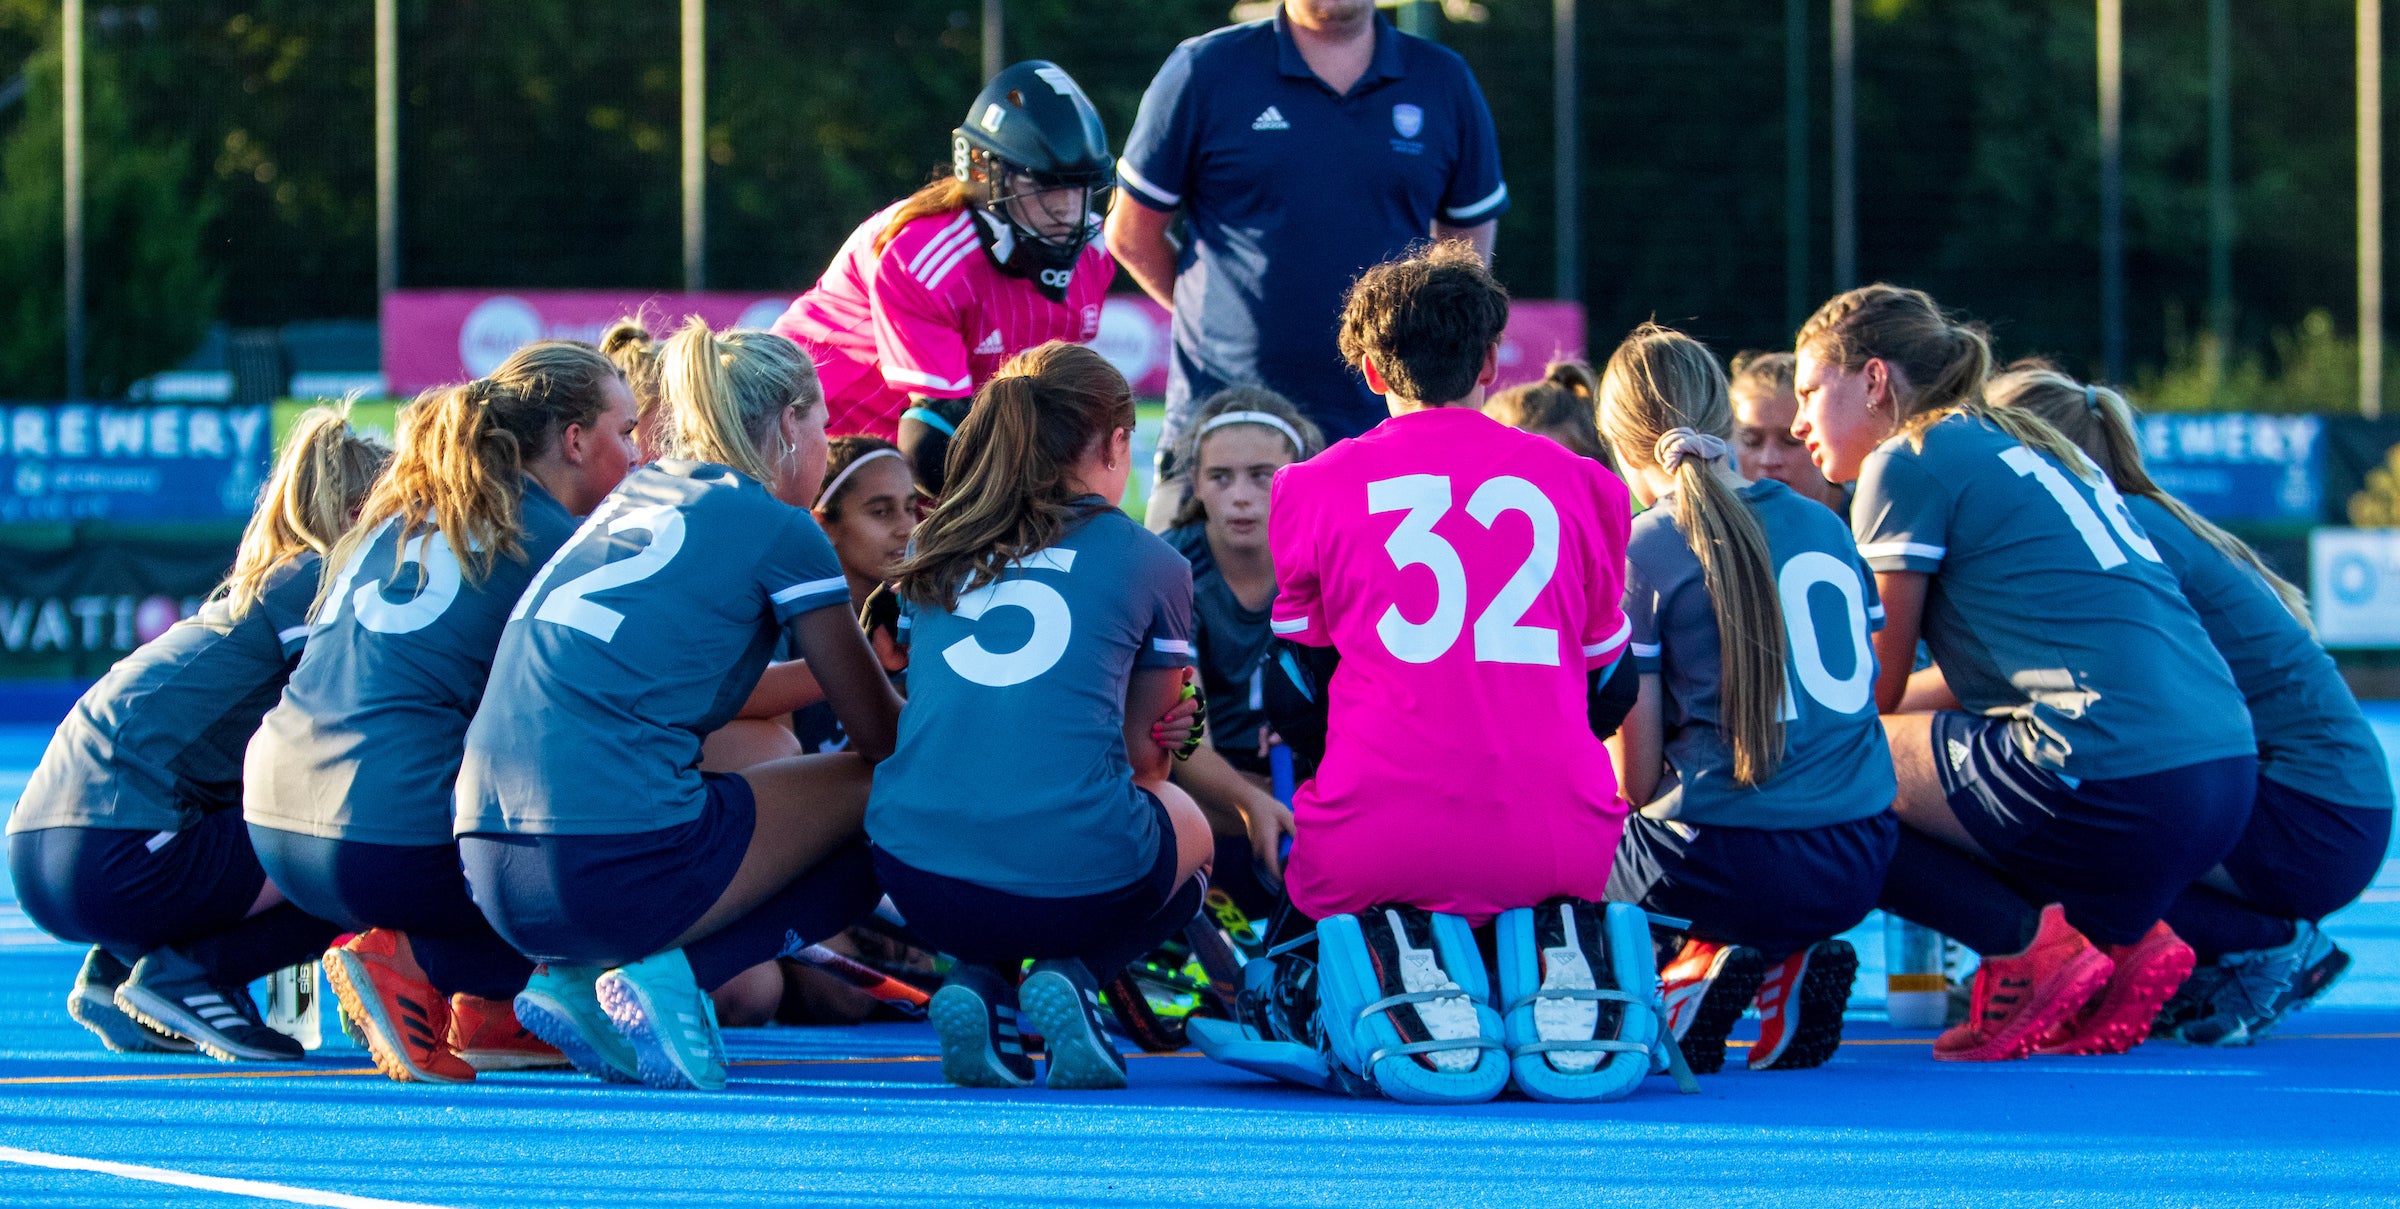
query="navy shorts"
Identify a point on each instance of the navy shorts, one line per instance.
(419, 889)
(2115, 852)
(976, 923)
(1775, 891)
(606, 900)
(2303, 857)
(133, 891)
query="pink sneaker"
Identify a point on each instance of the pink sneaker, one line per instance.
(2118, 1018)
(2019, 998)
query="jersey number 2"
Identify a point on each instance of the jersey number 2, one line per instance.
(569, 604)
(1499, 638)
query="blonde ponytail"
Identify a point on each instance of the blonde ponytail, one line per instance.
(325, 470)
(726, 393)
(1663, 405)
(463, 450)
(2100, 424)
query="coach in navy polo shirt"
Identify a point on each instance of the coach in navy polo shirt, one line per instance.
(1300, 150)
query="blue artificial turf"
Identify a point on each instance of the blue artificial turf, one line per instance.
(823, 1116)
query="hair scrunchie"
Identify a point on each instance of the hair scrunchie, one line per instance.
(1676, 444)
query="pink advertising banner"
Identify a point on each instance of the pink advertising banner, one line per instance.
(432, 337)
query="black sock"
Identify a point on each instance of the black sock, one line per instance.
(1236, 873)
(282, 935)
(1108, 960)
(831, 895)
(2215, 923)
(1939, 887)
(471, 963)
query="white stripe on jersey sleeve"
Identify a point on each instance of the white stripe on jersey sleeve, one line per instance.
(1171, 646)
(1875, 614)
(811, 588)
(1902, 550)
(1292, 626)
(291, 633)
(1645, 650)
(949, 231)
(1475, 210)
(1613, 641)
(1141, 184)
(894, 373)
(941, 269)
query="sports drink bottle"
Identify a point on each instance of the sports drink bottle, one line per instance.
(1915, 994)
(292, 998)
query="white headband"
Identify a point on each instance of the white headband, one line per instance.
(1271, 420)
(825, 497)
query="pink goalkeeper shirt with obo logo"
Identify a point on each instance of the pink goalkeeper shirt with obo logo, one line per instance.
(931, 315)
(1470, 575)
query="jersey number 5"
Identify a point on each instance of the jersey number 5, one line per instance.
(1052, 625)
(1498, 636)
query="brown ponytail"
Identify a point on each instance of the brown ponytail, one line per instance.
(323, 473)
(945, 194)
(1565, 402)
(1008, 467)
(1663, 394)
(2100, 423)
(463, 450)
(1939, 365)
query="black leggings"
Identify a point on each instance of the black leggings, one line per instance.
(131, 892)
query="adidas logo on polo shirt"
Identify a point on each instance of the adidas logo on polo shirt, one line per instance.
(1270, 120)
(991, 346)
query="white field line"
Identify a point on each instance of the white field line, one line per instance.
(207, 1183)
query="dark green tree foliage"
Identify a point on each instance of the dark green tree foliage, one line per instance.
(150, 292)
(541, 146)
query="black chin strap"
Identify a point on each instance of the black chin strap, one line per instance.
(1018, 255)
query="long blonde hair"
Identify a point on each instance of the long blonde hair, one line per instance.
(2100, 423)
(1008, 467)
(1663, 399)
(1566, 400)
(463, 450)
(726, 392)
(1939, 364)
(325, 470)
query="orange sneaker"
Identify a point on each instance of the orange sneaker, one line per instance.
(2017, 999)
(406, 1021)
(485, 1032)
(2118, 1018)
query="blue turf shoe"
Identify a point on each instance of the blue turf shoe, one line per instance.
(975, 1014)
(672, 1024)
(2241, 1001)
(93, 1004)
(2321, 965)
(561, 1006)
(1063, 1001)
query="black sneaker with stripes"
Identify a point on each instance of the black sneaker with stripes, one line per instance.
(170, 992)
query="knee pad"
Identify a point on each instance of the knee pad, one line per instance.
(1579, 982)
(1404, 1005)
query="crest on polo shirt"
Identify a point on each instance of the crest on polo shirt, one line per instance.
(1408, 120)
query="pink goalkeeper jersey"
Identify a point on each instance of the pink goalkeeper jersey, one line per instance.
(1470, 575)
(931, 316)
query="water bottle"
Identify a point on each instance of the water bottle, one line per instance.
(1915, 996)
(292, 996)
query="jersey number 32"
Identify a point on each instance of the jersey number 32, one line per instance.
(1499, 636)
